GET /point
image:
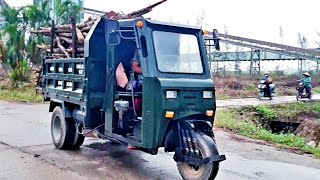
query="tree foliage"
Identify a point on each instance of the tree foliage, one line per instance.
(17, 44)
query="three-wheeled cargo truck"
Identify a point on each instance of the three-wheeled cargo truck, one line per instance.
(175, 108)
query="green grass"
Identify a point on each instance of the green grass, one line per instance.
(266, 111)
(285, 111)
(316, 89)
(230, 119)
(22, 94)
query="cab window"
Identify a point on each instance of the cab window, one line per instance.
(177, 53)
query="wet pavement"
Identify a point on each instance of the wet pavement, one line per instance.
(27, 152)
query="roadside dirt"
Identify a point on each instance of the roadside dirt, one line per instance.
(310, 130)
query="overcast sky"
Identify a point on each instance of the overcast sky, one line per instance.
(247, 18)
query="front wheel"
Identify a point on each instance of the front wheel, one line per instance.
(260, 95)
(207, 148)
(298, 96)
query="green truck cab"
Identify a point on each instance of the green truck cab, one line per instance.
(174, 109)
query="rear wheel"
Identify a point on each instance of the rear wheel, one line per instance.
(207, 148)
(63, 131)
(78, 138)
(311, 94)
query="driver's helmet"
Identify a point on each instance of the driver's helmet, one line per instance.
(266, 74)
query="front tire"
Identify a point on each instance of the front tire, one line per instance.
(260, 95)
(207, 148)
(298, 96)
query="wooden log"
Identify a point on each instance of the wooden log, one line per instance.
(42, 46)
(88, 23)
(65, 39)
(61, 47)
(36, 69)
(58, 56)
(47, 32)
(35, 77)
(70, 50)
(89, 19)
(63, 26)
(80, 36)
(69, 35)
(87, 28)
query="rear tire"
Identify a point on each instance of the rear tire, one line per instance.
(78, 138)
(63, 131)
(207, 148)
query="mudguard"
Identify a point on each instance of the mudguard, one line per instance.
(67, 112)
(182, 140)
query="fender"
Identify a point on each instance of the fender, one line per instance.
(172, 140)
(181, 138)
(67, 111)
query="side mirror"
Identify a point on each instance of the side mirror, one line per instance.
(112, 32)
(216, 39)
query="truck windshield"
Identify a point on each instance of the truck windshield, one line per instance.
(177, 53)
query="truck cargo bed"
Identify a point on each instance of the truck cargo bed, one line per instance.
(64, 79)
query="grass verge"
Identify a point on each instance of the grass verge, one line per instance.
(20, 94)
(316, 89)
(229, 119)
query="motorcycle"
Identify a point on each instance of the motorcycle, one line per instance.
(263, 90)
(301, 93)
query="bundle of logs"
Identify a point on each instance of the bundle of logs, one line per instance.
(36, 75)
(62, 35)
(67, 40)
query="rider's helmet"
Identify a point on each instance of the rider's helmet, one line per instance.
(266, 74)
(306, 74)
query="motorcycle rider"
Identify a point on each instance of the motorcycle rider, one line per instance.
(267, 81)
(307, 84)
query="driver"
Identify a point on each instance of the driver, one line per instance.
(268, 80)
(136, 63)
(136, 67)
(307, 84)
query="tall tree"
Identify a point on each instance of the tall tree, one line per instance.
(19, 44)
(303, 43)
(281, 34)
(200, 19)
(239, 55)
(14, 31)
(64, 10)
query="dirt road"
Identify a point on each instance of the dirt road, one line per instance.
(26, 152)
(255, 101)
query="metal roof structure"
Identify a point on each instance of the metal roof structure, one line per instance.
(246, 56)
(260, 51)
(270, 48)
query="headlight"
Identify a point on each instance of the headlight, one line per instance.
(171, 94)
(207, 94)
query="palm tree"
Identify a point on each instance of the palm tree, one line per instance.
(35, 17)
(14, 31)
(64, 10)
(20, 44)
